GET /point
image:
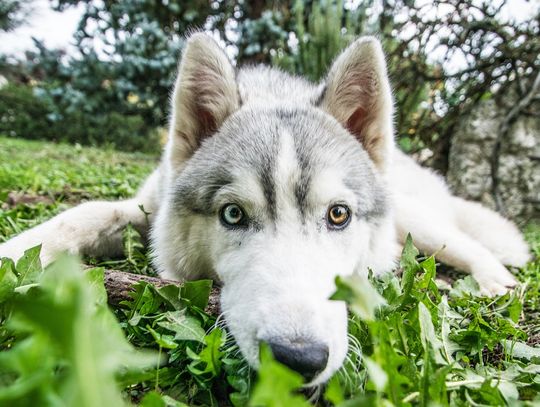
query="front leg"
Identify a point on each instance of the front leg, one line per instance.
(92, 228)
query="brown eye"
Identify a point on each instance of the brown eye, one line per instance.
(338, 216)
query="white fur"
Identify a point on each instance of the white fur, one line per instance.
(464, 234)
(276, 282)
(92, 228)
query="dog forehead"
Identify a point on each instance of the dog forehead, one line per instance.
(285, 149)
(280, 137)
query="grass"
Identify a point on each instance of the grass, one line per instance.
(51, 177)
(60, 343)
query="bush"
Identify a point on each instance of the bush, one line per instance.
(127, 133)
(23, 113)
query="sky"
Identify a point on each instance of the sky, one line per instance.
(56, 29)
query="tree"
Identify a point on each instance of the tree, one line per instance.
(12, 13)
(128, 53)
(421, 42)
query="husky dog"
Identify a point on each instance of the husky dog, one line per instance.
(274, 186)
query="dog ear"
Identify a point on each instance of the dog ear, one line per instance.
(205, 94)
(358, 95)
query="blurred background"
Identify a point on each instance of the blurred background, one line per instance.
(465, 74)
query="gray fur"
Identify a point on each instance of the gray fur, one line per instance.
(249, 140)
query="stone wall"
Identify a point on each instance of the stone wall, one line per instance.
(495, 156)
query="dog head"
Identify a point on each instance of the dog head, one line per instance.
(277, 186)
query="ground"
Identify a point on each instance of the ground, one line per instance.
(426, 345)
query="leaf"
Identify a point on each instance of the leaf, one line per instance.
(132, 243)
(194, 293)
(408, 263)
(208, 361)
(449, 347)
(467, 286)
(514, 308)
(197, 292)
(145, 301)
(22, 360)
(171, 293)
(520, 350)
(239, 399)
(163, 340)
(427, 280)
(29, 266)
(376, 373)
(276, 384)
(8, 279)
(154, 399)
(427, 334)
(410, 267)
(358, 292)
(509, 391)
(95, 277)
(69, 327)
(185, 327)
(408, 254)
(334, 391)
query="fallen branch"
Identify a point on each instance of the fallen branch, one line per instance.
(119, 284)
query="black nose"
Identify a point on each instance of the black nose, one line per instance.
(307, 358)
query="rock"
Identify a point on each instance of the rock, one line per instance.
(517, 174)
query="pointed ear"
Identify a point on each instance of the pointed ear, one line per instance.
(358, 95)
(205, 94)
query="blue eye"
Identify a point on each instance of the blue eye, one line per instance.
(232, 215)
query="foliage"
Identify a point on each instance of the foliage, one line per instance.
(497, 54)
(127, 133)
(61, 343)
(418, 346)
(322, 31)
(131, 73)
(12, 13)
(431, 347)
(22, 114)
(32, 113)
(200, 367)
(118, 98)
(443, 58)
(275, 378)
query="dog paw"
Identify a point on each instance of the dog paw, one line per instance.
(517, 258)
(498, 282)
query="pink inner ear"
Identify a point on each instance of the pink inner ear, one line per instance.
(207, 122)
(356, 123)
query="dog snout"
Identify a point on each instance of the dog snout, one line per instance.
(307, 358)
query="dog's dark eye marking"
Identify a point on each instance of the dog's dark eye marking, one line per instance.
(338, 217)
(232, 215)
